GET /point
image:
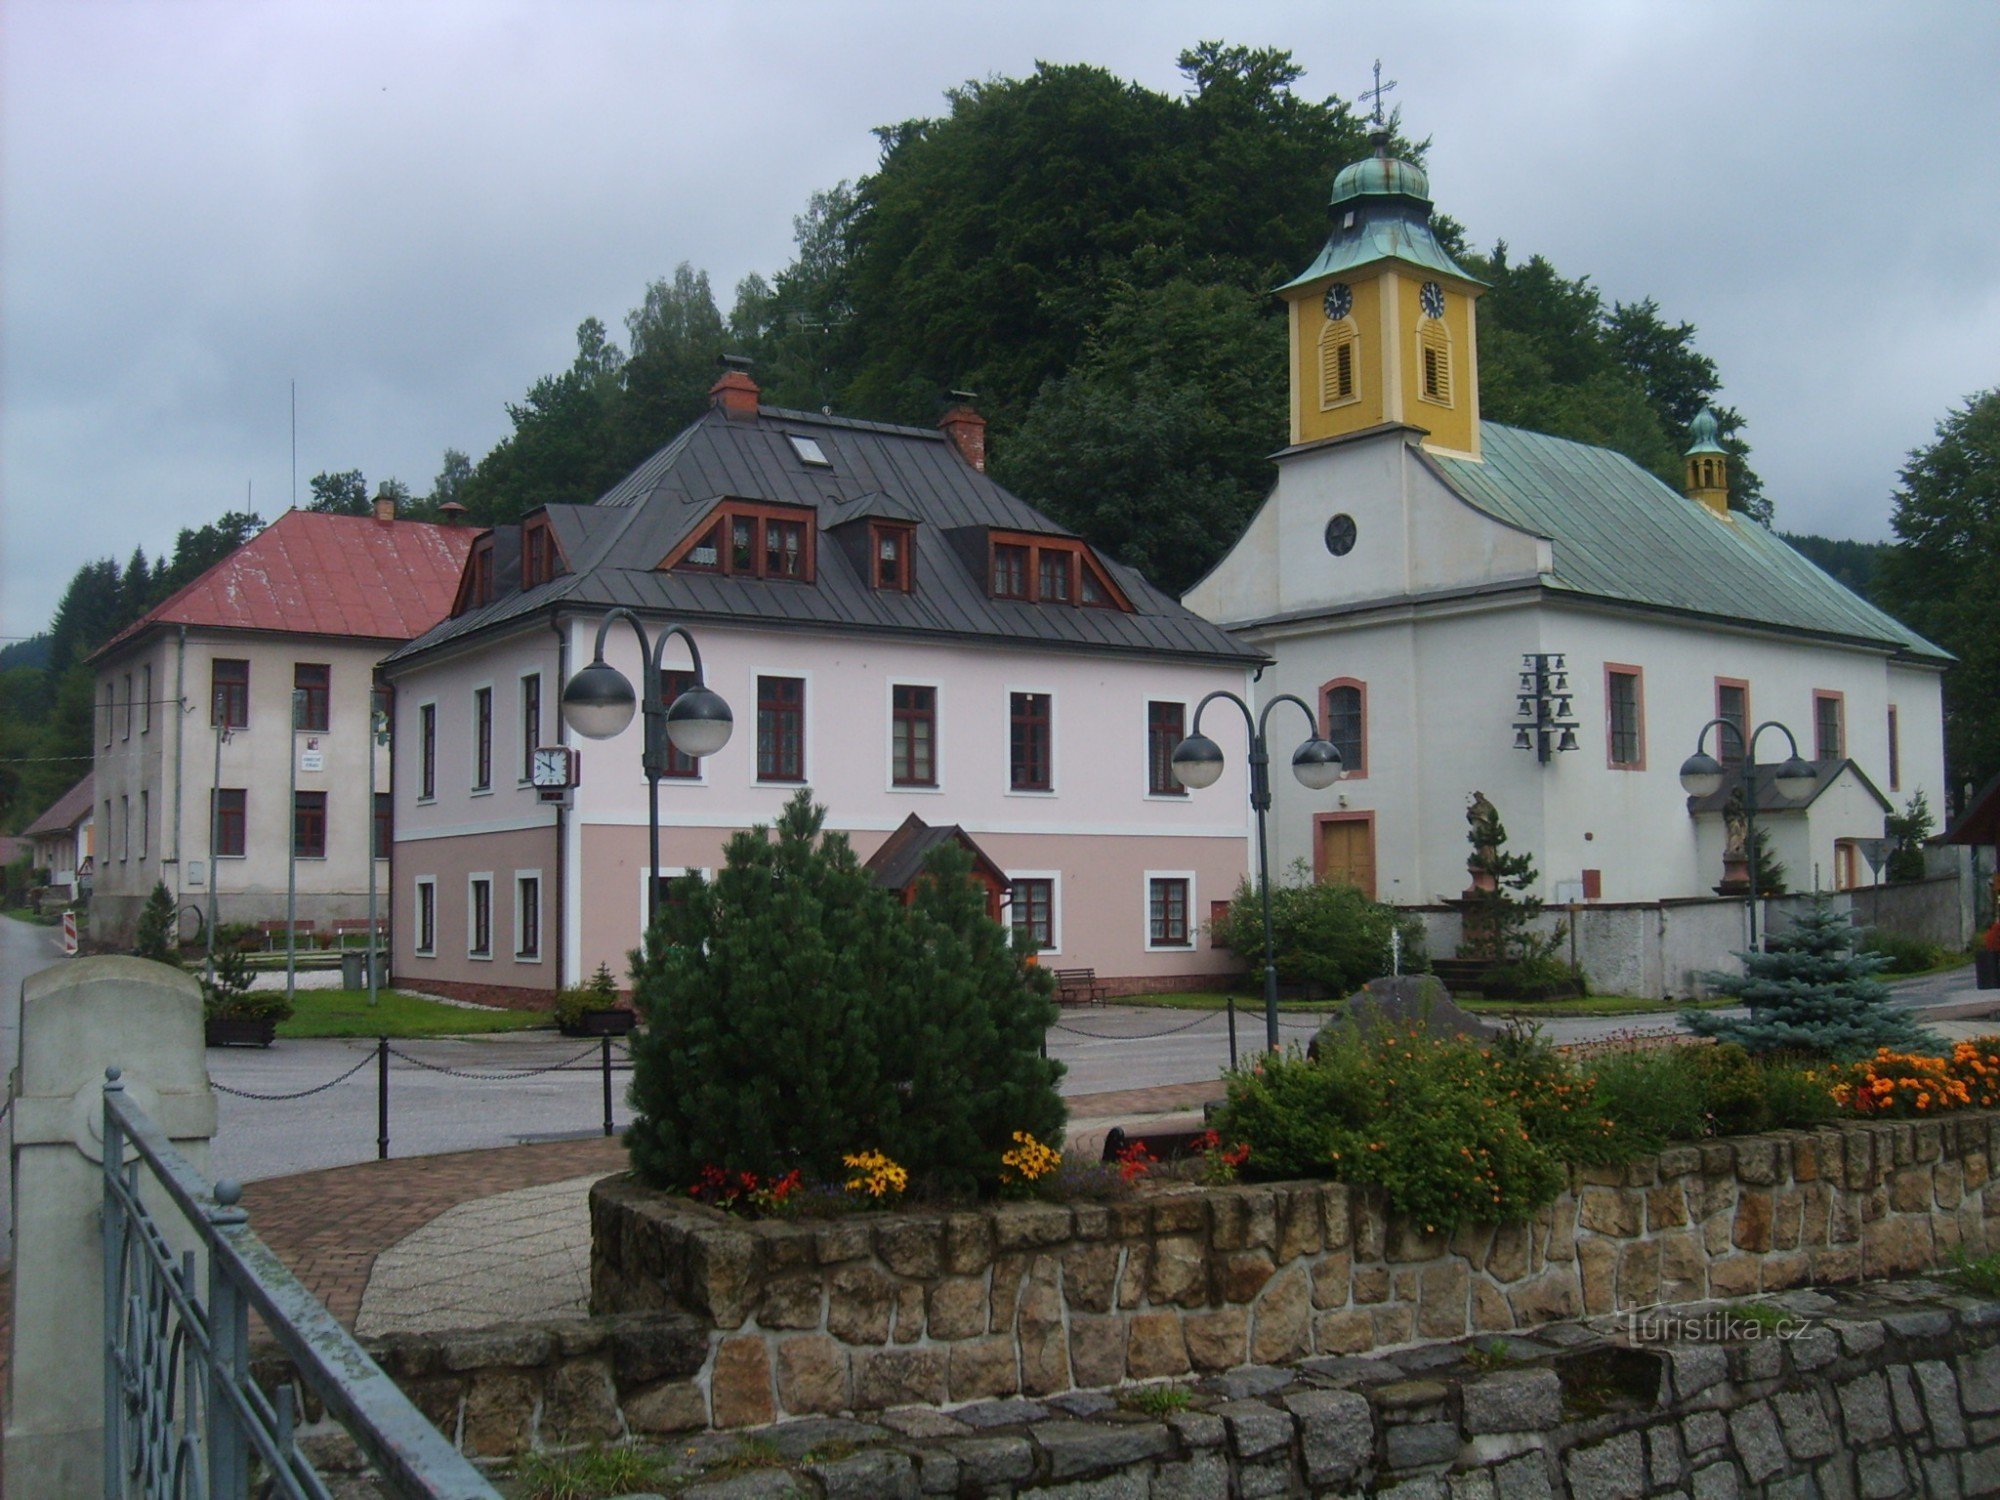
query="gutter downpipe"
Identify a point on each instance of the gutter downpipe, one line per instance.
(556, 624)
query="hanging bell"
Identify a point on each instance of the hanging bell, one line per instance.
(1521, 740)
(1568, 740)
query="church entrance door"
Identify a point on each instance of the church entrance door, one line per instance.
(1345, 854)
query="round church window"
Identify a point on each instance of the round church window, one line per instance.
(1340, 535)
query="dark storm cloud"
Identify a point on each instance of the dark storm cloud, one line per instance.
(409, 208)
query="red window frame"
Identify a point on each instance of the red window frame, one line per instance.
(749, 541)
(427, 751)
(1822, 698)
(309, 825)
(1166, 727)
(781, 729)
(228, 694)
(531, 722)
(893, 573)
(385, 823)
(1895, 752)
(1030, 742)
(1031, 908)
(1730, 751)
(680, 765)
(1012, 567)
(1635, 757)
(1055, 575)
(538, 554)
(1167, 912)
(1353, 766)
(315, 680)
(232, 808)
(913, 747)
(1015, 563)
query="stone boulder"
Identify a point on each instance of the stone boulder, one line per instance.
(1407, 1000)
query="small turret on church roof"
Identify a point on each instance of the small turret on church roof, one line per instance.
(1707, 478)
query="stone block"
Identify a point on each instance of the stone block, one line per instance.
(1217, 1340)
(1784, 1269)
(1941, 1402)
(1752, 1228)
(1666, 1207)
(898, 1377)
(1243, 1274)
(495, 1348)
(1442, 1299)
(1613, 1468)
(859, 1301)
(1187, 1213)
(791, 1302)
(579, 1404)
(1513, 1401)
(1336, 1434)
(811, 1374)
(1179, 1272)
(1979, 1382)
(1155, 1346)
(1940, 1479)
(1802, 1419)
(498, 1413)
(1910, 1190)
(1395, 1323)
(1344, 1331)
(871, 1474)
(1638, 1275)
(1523, 1478)
(740, 1383)
(1201, 1477)
(1370, 1223)
(958, 1308)
(1281, 1327)
(1371, 1284)
(1760, 1160)
(1864, 1410)
(1300, 1229)
(1896, 1246)
(1256, 1431)
(1092, 1220)
(1717, 1482)
(967, 1244)
(1004, 1298)
(1412, 1445)
(1547, 1299)
(1096, 1350)
(1759, 1444)
(1948, 1182)
(1836, 1264)
(1090, 1276)
(1332, 1277)
(1694, 1368)
(841, 1240)
(1027, 1226)
(991, 1464)
(1665, 1464)
(1704, 1430)
(1559, 1240)
(1133, 1273)
(980, 1369)
(670, 1406)
(1039, 1331)
(1409, 1241)
(1507, 1260)
(1073, 1450)
(1787, 1218)
(1618, 1212)
(1597, 1261)
(1879, 1474)
(652, 1348)
(1683, 1267)
(1490, 1312)
(911, 1246)
(1734, 1276)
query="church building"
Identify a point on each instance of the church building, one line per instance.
(1480, 609)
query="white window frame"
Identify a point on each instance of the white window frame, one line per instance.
(437, 740)
(541, 920)
(1193, 905)
(892, 786)
(1007, 743)
(471, 930)
(417, 889)
(1054, 878)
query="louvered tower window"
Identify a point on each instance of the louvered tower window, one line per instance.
(1339, 380)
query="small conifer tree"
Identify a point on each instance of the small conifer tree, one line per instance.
(1499, 911)
(155, 937)
(1772, 878)
(1810, 991)
(1908, 830)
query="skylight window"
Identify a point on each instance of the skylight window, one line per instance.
(808, 450)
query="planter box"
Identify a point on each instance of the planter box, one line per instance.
(241, 1031)
(1986, 969)
(617, 1021)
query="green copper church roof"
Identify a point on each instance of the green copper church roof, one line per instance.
(1381, 211)
(1617, 533)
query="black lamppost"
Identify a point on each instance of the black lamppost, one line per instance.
(597, 703)
(1702, 776)
(1197, 763)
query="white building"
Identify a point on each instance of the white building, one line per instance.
(1412, 564)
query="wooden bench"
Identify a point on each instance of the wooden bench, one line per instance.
(274, 933)
(347, 927)
(1079, 986)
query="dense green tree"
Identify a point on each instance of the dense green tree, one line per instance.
(156, 937)
(1944, 578)
(1907, 831)
(1810, 991)
(561, 451)
(341, 494)
(1855, 564)
(676, 335)
(1155, 445)
(199, 548)
(449, 486)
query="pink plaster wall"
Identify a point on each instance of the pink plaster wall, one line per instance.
(451, 862)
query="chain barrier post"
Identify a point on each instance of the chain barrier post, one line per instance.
(609, 1129)
(382, 1098)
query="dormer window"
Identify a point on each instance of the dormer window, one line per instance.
(475, 585)
(1049, 570)
(750, 541)
(889, 548)
(538, 554)
(809, 451)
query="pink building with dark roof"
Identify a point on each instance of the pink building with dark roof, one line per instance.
(192, 783)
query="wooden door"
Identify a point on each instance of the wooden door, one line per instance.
(1347, 853)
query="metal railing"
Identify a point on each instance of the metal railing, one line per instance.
(183, 1420)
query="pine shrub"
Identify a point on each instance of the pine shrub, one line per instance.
(796, 1013)
(156, 937)
(1810, 992)
(1324, 934)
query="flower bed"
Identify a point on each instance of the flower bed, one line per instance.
(870, 1311)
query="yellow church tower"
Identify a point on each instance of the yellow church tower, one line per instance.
(1707, 465)
(1382, 322)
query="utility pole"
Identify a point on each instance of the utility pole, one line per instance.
(292, 850)
(378, 734)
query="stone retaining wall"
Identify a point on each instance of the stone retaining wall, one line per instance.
(876, 1311)
(1886, 1390)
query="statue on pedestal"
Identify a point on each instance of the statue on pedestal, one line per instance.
(1735, 846)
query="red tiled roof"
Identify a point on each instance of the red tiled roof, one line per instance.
(313, 574)
(67, 809)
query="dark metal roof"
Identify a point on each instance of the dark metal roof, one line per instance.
(614, 548)
(1980, 822)
(901, 858)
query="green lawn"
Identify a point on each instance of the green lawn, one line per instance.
(1591, 1005)
(1216, 1000)
(395, 1014)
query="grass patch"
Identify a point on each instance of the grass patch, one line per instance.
(396, 1014)
(592, 1474)
(1588, 1005)
(1488, 1355)
(1157, 1400)
(751, 1454)
(1979, 1274)
(1219, 999)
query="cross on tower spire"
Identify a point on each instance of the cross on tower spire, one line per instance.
(1378, 91)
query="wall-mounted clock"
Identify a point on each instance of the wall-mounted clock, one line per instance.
(1340, 535)
(553, 767)
(1339, 301)
(1431, 299)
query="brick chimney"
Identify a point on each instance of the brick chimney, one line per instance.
(385, 504)
(966, 429)
(735, 394)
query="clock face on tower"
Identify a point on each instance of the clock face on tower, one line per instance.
(550, 767)
(1431, 299)
(1339, 301)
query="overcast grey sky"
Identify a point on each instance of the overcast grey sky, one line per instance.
(409, 207)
